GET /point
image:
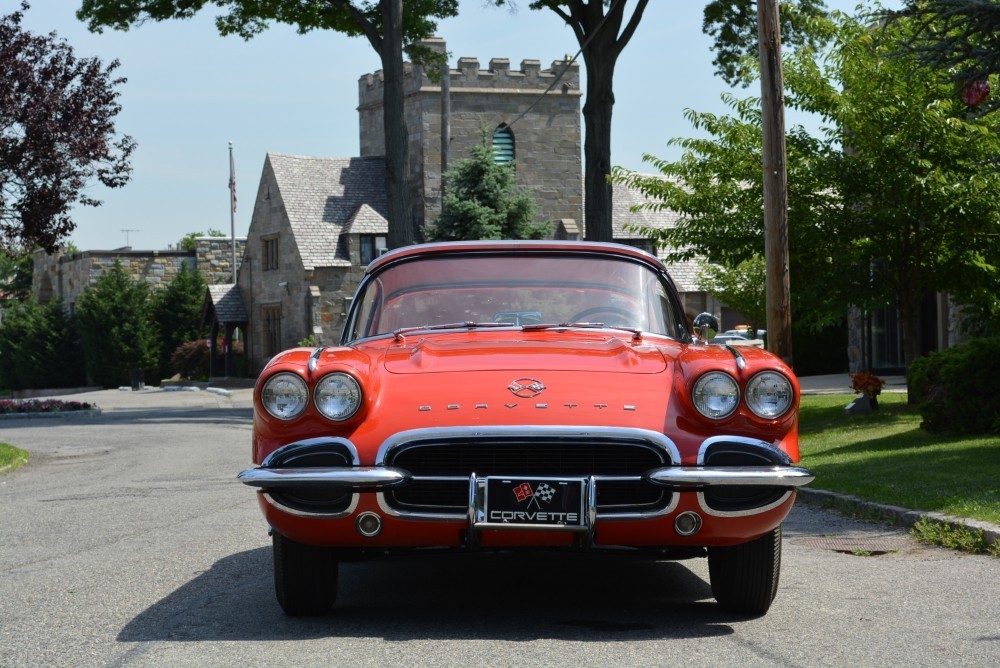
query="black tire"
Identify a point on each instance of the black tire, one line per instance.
(745, 577)
(305, 577)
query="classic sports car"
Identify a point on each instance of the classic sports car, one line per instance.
(505, 395)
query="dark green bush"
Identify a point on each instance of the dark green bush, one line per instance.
(958, 389)
(38, 348)
(117, 329)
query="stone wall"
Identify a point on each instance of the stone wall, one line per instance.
(65, 277)
(547, 130)
(215, 257)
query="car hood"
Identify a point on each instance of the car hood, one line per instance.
(612, 355)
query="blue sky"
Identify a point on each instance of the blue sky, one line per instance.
(190, 92)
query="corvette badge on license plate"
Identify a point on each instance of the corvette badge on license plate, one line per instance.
(541, 502)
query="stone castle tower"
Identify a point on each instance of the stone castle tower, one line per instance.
(542, 131)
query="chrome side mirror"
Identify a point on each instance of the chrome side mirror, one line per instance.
(707, 326)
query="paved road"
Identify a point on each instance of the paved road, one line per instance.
(126, 541)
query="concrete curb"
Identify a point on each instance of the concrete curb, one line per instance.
(897, 515)
(93, 412)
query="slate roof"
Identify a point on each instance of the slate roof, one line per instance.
(684, 273)
(227, 303)
(322, 195)
(366, 220)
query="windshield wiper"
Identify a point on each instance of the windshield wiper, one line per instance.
(399, 333)
(636, 333)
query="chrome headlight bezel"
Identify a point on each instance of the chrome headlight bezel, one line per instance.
(716, 386)
(293, 388)
(345, 389)
(769, 395)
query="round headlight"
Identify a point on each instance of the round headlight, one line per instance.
(337, 396)
(769, 395)
(285, 396)
(716, 395)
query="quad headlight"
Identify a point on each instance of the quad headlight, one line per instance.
(285, 396)
(769, 395)
(337, 396)
(716, 395)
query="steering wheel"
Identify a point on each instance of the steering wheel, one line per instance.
(619, 315)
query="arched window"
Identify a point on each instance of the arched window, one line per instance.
(503, 144)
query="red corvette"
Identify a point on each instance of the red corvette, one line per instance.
(505, 395)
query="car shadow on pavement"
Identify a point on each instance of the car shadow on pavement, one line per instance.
(482, 596)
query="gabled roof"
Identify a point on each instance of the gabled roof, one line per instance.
(366, 220)
(321, 195)
(684, 273)
(227, 303)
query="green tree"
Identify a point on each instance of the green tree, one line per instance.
(16, 269)
(178, 310)
(39, 347)
(740, 287)
(116, 328)
(390, 26)
(57, 135)
(894, 201)
(732, 25)
(482, 201)
(961, 37)
(189, 241)
(602, 32)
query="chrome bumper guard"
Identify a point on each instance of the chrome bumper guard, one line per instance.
(698, 477)
(361, 477)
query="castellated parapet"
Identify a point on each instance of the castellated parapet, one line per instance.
(546, 127)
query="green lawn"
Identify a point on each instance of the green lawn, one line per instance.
(885, 457)
(12, 457)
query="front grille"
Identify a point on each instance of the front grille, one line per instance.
(736, 499)
(623, 460)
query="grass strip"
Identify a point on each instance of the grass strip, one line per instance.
(11, 458)
(886, 457)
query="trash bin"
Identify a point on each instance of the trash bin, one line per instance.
(138, 377)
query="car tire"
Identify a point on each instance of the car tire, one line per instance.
(745, 577)
(305, 577)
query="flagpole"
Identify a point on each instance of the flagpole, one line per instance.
(232, 206)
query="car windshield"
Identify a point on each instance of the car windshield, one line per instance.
(516, 290)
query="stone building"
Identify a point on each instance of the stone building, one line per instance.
(537, 128)
(65, 276)
(316, 224)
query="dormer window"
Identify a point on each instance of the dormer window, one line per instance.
(372, 245)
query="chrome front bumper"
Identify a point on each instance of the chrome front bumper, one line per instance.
(681, 478)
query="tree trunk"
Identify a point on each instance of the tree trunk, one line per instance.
(401, 228)
(597, 148)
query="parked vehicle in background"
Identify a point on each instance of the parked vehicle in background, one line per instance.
(522, 395)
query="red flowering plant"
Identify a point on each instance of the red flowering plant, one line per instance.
(867, 383)
(42, 406)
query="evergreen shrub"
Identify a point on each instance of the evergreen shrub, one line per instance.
(958, 389)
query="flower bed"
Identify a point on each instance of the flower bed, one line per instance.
(9, 406)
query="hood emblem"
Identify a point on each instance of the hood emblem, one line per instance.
(526, 388)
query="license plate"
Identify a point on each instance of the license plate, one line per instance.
(536, 502)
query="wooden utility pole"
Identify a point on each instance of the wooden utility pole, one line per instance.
(772, 102)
